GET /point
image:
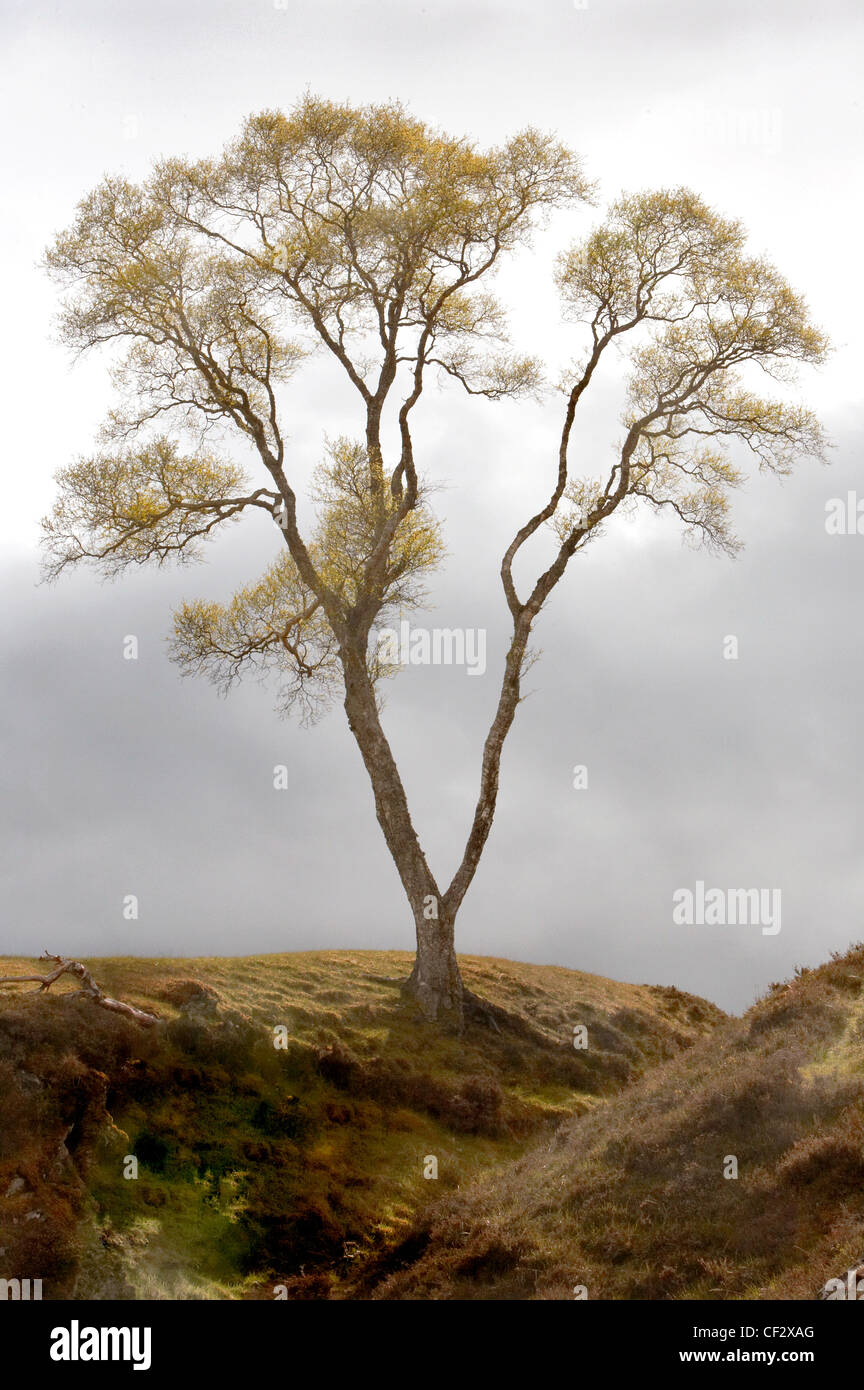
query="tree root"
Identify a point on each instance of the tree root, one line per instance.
(479, 1010)
(89, 988)
(483, 1013)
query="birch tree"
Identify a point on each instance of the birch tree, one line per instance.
(366, 236)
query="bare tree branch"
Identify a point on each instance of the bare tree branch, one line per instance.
(89, 988)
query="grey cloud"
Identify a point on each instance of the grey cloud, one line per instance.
(122, 779)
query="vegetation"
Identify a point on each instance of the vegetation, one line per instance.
(303, 1166)
(631, 1200)
(300, 1165)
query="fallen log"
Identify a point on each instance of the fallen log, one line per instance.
(89, 988)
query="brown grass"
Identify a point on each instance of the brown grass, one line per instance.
(631, 1200)
(302, 1165)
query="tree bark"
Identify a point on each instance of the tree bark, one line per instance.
(487, 800)
(434, 983)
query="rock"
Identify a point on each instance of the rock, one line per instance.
(27, 1083)
(180, 992)
(204, 1009)
(16, 1187)
(62, 1167)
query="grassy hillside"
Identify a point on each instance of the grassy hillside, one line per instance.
(302, 1164)
(631, 1202)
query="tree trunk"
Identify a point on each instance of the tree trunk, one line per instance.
(434, 982)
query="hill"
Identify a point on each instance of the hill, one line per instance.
(637, 1199)
(283, 1116)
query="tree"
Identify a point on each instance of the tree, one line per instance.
(364, 234)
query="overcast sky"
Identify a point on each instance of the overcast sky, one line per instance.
(122, 779)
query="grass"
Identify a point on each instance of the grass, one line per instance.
(635, 1200)
(302, 1165)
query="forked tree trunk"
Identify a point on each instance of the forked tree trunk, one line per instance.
(434, 982)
